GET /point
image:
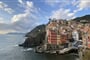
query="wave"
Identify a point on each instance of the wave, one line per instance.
(28, 49)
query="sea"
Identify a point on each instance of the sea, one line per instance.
(9, 50)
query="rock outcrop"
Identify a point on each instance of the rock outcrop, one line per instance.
(35, 37)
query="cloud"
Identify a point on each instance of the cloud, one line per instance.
(1, 20)
(6, 31)
(3, 5)
(21, 22)
(83, 4)
(68, 13)
(18, 17)
(28, 13)
(51, 2)
(5, 8)
(60, 3)
(28, 19)
(9, 10)
(20, 1)
(80, 5)
(62, 14)
(29, 4)
(5, 28)
(31, 16)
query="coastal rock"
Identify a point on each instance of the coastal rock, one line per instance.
(35, 37)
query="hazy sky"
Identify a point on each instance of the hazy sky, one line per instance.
(23, 15)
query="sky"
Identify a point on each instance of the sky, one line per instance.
(24, 15)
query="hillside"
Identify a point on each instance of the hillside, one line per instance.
(37, 29)
(36, 36)
(86, 17)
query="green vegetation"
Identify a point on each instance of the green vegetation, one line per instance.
(87, 55)
(86, 17)
(34, 36)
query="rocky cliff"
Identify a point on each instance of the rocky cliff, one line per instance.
(36, 36)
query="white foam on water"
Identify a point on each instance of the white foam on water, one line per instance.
(28, 49)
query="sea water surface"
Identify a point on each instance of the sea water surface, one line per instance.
(9, 50)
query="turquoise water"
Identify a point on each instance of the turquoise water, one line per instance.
(10, 51)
